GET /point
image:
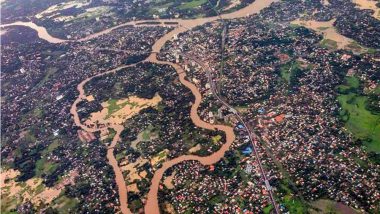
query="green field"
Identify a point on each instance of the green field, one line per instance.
(216, 139)
(292, 203)
(329, 44)
(44, 166)
(290, 71)
(268, 209)
(192, 4)
(362, 123)
(359, 121)
(351, 85)
(64, 204)
(323, 28)
(114, 107)
(158, 8)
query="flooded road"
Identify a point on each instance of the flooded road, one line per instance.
(152, 206)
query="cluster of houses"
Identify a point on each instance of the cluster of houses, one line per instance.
(39, 86)
(297, 116)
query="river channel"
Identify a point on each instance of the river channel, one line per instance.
(151, 205)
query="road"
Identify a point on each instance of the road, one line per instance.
(252, 136)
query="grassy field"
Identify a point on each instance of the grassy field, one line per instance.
(64, 204)
(44, 166)
(148, 133)
(114, 107)
(354, 46)
(216, 138)
(362, 123)
(351, 84)
(293, 204)
(192, 4)
(157, 9)
(268, 209)
(359, 121)
(329, 44)
(289, 70)
(323, 28)
(50, 72)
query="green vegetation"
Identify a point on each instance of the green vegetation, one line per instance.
(136, 205)
(51, 147)
(216, 138)
(294, 25)
(354, 46)
(159, 9)
(292, 203)
(64, 204)
(29, 137)
(192, 4)
(43, 166)
(114, 107)
(8, 204)
(351, 85)
(268, 209)
(162, 154)
(217, 199)
(148, 133)
(290, 72)
(359, 120)
(110, 136)
(48, 74)
(323, 28)
(120, 156)
(329, 44)
(372, 51)
(376, 90)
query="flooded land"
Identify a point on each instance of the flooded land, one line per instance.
(327, 30)
(32, 190)
(109, 121)
(369, 5)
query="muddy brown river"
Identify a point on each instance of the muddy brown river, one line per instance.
(151, 205)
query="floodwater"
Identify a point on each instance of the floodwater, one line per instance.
(368, 5)
(151, 205)
(168, 182)
(28, 189)
(134, 106)
(327, 30)
(41, 31)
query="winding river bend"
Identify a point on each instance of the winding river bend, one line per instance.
(151, 205)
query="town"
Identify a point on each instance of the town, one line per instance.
(103, 124)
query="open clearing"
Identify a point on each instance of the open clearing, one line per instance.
(192, 4)
(359, 121)
(362, 123)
